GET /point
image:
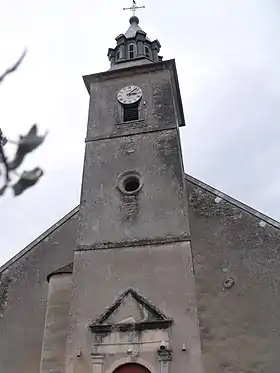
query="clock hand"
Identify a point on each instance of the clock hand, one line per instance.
(130, 93)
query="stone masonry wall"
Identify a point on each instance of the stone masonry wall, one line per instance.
(23, 298)
(237, 270)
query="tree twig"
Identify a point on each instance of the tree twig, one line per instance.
(13, 68)
(4, 159)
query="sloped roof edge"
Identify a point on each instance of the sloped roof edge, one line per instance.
(189, 178)
(68, 268)
(39, 239)
(233, 201)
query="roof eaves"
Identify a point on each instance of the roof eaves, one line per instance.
(189, 178)
(68, 268)
(233, 201)
(39, 239)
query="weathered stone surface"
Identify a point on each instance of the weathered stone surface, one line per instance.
(23, 292)
(239, 324)
(108, 216)
(160, 108)
(56, 323)
(162, 274)
(133, 191)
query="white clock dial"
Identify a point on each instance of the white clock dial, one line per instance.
(130, 94)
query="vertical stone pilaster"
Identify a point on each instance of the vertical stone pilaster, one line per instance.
(164, 358)
(56, 323)
(140, 39)
(97, 363)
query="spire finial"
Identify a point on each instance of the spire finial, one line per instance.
(134, 7)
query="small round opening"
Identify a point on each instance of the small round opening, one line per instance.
(131, 184)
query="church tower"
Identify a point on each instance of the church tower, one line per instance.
(134, 306)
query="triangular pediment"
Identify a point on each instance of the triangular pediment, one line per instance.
(131, 310)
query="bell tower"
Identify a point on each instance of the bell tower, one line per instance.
(134, 302)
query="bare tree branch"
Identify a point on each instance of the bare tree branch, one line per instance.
(4, 158)
(25, 145)
(14, 67)
(27, 179)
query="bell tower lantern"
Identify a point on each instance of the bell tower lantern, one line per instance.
(134, 47)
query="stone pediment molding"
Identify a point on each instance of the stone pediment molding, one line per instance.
(130, 311)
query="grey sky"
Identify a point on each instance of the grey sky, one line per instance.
(228, 57)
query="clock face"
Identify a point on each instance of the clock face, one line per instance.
(130, 94)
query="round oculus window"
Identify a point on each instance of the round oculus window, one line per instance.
(130, 182)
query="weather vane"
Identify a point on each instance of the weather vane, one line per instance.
(134, 7)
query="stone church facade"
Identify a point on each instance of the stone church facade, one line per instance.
(154, 271)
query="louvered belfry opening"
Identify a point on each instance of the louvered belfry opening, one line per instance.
(131, 112)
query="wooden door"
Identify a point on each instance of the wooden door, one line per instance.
(131, 368)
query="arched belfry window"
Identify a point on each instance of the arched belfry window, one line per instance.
(132, 368)
(147, 52)
(131, 50)
(118, 55)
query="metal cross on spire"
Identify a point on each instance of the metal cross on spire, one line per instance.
(134, 7)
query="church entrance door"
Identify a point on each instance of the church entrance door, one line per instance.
(131, 368)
